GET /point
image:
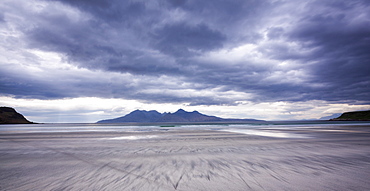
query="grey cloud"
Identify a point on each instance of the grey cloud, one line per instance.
(182, 40)
(226, 12)
(177, 3)
(192, 101)
(95, 45)
(340, 43)
(331, 46)
(83, 45)
(2, 18)
(110, 11)
(275, 32)
(26, 87)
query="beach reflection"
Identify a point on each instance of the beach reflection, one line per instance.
(266, 133)
(132, 137)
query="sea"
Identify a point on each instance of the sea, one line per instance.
(278, 129)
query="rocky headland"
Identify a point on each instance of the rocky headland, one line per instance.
(9, 115)
(354, 116)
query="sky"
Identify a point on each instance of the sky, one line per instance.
(88, 60)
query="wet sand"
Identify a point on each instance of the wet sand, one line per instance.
(330, 158)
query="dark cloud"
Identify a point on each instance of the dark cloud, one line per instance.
(110, 11)
(319, 51)
(177, 3)
(339, 40)
(179, 39)
(2, 19)
(275, 33)
(26, 87)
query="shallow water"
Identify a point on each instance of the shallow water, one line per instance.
(270, 129)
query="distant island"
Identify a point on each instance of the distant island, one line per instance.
(354, 116)
(142, 116)
(9, 115)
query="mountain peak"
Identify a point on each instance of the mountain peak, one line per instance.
(184, 116)
(136, 116)
(181, 111)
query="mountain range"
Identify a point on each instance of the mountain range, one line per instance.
(142, 116)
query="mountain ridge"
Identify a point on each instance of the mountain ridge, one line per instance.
(153, 116)
(134, 116)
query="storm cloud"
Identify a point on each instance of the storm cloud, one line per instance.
(184, 51)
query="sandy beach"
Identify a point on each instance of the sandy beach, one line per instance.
(330, 158)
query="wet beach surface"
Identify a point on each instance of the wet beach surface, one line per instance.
(305, 158)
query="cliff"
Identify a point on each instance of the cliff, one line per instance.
(354, 116)
(8, 115)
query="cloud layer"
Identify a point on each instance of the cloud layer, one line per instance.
(185, 51)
